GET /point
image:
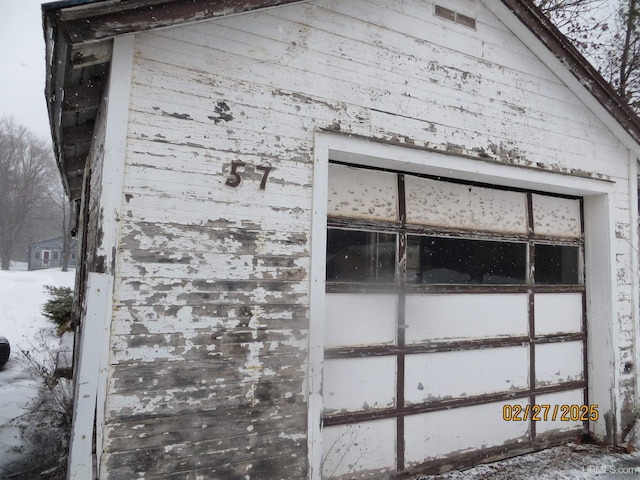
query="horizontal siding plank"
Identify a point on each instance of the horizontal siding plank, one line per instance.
(219, 268)
(215, 345)
(135, 407)
(160, 209)
(223, 239)
(188, 292)
(164, 156)
(207, 319)
(208, 139)
(212, 186)
(283, 467)
(161, 376)
(205, 426)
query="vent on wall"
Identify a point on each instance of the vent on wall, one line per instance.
(454, 16)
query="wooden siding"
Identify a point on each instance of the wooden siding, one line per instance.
(209, 345)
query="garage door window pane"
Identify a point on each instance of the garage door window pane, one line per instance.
(360, 256)
(462, 261)
(557, 265)
(362, 193)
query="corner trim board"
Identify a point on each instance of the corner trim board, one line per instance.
(91, 384)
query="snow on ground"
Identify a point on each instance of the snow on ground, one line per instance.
(567, 462)
(22, 295)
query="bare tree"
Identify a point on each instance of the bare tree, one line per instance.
(622, 66)
(567, 13)
(26, 171)
(608, 37)
(585, 22)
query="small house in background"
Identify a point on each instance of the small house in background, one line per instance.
(333, 239)
(49, 253)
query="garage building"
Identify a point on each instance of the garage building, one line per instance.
(332, 240)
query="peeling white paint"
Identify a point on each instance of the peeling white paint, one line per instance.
(442, 204)
(228, 267)
(362, 193)
(556, 216)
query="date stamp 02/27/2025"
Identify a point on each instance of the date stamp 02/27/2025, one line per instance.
(549, 412)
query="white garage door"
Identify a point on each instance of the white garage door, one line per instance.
(455, 325)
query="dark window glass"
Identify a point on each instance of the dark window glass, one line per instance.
(359, 256)
(557, 265)
(462, 261)
(466, 21)
(445, 13)
(55, 255)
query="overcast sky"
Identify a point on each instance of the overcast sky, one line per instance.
(22, 65)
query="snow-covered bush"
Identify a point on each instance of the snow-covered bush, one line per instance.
(58, 307)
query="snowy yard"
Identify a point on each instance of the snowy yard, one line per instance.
(22, 295)
(567, 462)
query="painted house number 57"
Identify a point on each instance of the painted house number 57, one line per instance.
(234, 176)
